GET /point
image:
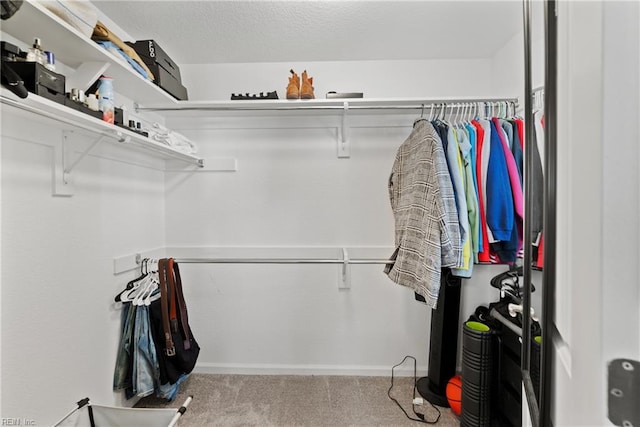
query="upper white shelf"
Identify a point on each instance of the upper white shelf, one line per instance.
(317, 106)
(74, 48)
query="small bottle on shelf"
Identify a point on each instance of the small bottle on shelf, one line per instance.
(36, 54)
(106, 99)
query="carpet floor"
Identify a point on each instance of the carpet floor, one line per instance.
(293, 400)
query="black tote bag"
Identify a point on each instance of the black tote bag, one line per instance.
(176, 347)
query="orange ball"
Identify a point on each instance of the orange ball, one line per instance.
(454, 394)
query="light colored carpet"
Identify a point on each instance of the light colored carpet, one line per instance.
(292, 400)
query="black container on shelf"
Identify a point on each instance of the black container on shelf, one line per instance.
(164, 69)
(151, 53)
(82, 108)
(168, 82)
(41, 81)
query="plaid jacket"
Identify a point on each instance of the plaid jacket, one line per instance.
(427, 232)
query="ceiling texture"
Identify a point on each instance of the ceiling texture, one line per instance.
(242, 31)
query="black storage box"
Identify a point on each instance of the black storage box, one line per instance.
(151, 53)
(82, 108)
(11, 52)
(39, 80)
(164, 69)
(169, 83)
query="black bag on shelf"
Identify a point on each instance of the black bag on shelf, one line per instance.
(9, 7)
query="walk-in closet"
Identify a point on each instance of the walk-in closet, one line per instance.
(224, 180)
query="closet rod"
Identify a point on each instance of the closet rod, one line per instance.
(280, 261)
(353, 104)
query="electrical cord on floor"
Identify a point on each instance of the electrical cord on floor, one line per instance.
(420, 418)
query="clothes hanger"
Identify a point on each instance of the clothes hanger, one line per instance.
(150, 288)
(138, 292)
(132, 283)
(419, 118)
(431, 112)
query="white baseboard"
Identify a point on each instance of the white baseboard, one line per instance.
(277, 369)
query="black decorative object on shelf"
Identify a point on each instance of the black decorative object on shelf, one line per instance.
(248, 97)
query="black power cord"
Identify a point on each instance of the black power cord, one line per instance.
(420, 418)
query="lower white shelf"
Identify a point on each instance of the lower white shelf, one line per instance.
(76, 119)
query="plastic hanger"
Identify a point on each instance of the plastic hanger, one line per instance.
(133, 283)
(146, 291)
(146, 286)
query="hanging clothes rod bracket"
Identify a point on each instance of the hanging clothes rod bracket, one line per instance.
(345, 283)
(344, 147)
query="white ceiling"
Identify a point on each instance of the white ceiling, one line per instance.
(240, 31)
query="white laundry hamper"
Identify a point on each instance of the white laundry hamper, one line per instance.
(90, 415)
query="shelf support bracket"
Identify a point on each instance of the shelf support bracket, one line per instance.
(68, 169)
(62, 166)
(345, 276)
(344, 147)
(62, 185)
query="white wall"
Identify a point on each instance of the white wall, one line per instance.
(60, 330)
(620, 293)
(292, 196)
(376, 79)
(577, 337)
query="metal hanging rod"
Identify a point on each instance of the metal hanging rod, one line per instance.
(352, 104)
(345, 262)
(280, 261)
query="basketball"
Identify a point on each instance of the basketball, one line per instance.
(454, 394)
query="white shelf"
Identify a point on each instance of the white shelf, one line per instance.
(317, 106)
(74, 48)
(76, 119)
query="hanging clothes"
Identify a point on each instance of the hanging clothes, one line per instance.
(456, 169)
(427, 229)
(500, 212)
(470, 174)
(471, 200)
(483, 240)
(537, 190)
(507, 249)
(137, 370)
(476, 226)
